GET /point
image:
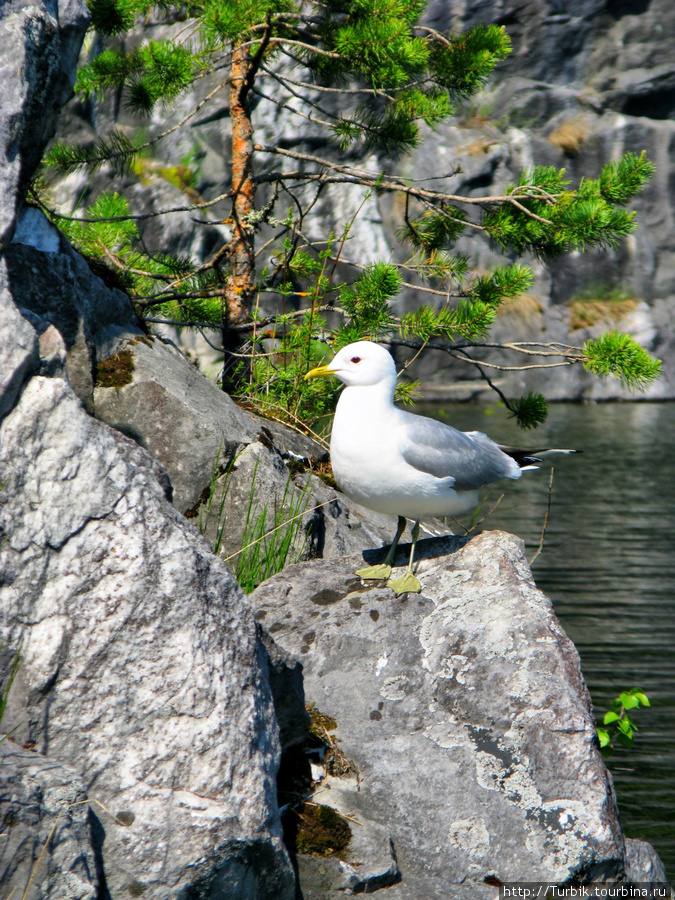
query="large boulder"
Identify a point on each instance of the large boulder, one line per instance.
(464, 713)
(140, 664)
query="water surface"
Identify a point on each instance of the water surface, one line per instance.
(608, 564)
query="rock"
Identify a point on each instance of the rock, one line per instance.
(142, 673)
(183, 419)
(140, 663)
(373, 864)
(643, 864)
(288, 693)
(47, 850)
(464, 712)
(19, 352)
(58, 289)
(39, 47)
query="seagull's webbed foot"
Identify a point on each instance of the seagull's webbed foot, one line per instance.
(374, 573)
(383, 571)
(407, 584)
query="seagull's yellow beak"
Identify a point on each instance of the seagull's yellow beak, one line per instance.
(319, 372)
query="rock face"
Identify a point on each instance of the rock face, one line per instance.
(39, 44)
(585, 83)
(464, 712)
(44, 808)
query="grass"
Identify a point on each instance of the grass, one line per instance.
(272, 536)
(267, 550)
(600, 304)
(524, 307)
(569, 136)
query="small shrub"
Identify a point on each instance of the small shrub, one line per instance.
(569, 136)
(617, 724)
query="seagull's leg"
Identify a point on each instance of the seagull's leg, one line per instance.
(383, 570)
(408, 582)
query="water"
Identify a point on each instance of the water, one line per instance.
(608, 564)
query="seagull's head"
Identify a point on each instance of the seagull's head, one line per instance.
(361, 364)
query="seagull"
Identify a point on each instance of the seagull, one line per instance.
(402, 464)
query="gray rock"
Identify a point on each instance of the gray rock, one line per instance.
(288, 692)
(39, 47)
(58, 289)
(183, 419)
(464, 711)
(46, 849)
(140, 664)
(372, 861)
(19, 353)
(643, 864)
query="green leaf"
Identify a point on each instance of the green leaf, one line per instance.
(626, 740)
(641, 697)
(628, 700)
(625, 726)
(603, 737)
(610, 717)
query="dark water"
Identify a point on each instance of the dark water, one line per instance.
(608, 564)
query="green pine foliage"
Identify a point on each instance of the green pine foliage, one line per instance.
(530, 410)
(621, 356)
(549, 219)
(116, 150)
(466, 62)
(399, 78)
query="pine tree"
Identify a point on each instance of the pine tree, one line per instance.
(392, 75)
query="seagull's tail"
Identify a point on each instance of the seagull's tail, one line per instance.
(528, 459)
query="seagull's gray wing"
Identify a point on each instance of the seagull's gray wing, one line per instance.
(472, 459)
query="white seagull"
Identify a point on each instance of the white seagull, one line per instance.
(398, 463)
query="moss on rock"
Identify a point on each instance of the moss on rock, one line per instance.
(116, 371)
(322, 832)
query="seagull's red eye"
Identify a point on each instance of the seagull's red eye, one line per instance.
(356, 359)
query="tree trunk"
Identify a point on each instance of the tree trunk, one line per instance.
(239, 286)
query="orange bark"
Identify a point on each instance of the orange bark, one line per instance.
(239, 286)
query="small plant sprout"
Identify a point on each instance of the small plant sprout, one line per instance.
(620, 726)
